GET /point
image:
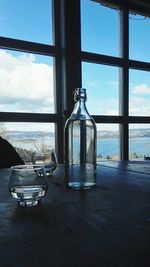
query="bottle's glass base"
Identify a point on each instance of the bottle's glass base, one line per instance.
(80, 176)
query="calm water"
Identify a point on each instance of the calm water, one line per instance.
(105, 147)
(140, 146)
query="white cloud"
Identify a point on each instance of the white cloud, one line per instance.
(103, 106)
(25, 84)
(114, 83)
(107, 127)
(139, 126)
(112, 112)
(139, 106)
(141, 89)
(27, 126)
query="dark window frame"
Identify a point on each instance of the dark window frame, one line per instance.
(125, 63)
(68, 71)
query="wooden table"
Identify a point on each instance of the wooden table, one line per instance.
(103, 227)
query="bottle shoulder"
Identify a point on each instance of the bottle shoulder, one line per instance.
(80, 116)
(74, 120)
(80, 113)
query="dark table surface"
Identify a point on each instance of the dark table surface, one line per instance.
(103, 227)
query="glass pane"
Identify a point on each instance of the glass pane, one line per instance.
(99, 28)
(139, 141)
(139, 93)
(108, 141)
(102, 84)
(139, 37)
(26, 82)
(26, 20)
(28, 138)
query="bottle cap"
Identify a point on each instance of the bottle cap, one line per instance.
(80, 93)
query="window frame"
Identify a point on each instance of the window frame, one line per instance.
(125, 63)
(67, 71)
(47, 50)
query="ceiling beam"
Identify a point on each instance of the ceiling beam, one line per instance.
(140, 6)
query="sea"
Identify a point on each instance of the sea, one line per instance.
(106, 147)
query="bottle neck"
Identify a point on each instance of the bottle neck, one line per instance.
(80, 104)
(80, 110)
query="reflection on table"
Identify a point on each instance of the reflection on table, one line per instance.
(107, 226)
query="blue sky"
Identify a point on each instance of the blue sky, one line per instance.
(31, 20)
(100, 28)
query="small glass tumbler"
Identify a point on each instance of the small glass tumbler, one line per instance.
(48, 160)
(28, 184)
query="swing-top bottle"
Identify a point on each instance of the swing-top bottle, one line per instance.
(80, 145)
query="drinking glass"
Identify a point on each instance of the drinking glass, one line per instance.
(48, 160)
(28, 184)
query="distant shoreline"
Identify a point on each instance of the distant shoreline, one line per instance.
(133, 133)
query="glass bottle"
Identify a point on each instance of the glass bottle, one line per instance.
(80, 145)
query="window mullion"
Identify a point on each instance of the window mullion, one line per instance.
(124, 96)
(58, 77)
(72, 49)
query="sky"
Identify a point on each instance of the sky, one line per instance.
(26, 85)
(26, 80)
(102, 35)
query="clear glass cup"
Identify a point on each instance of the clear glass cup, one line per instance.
(28, 184)
(48, 160)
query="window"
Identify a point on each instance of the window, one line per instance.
(115, 69)
(27, 20)
(139, 38)
(139, 141)
(26, 82)
(29, 104)
(102, 83)
(48, 48)
(108, 142)
(94, 36)
(29, 138)
(139, 93)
